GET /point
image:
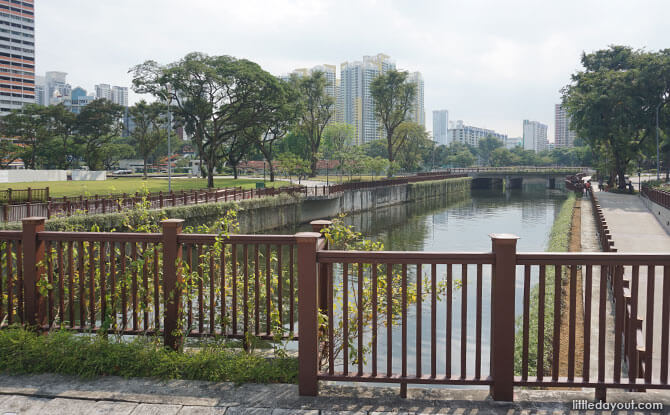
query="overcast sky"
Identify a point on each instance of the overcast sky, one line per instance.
(491, 63)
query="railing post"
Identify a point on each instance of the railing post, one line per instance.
(502, 316)
(33, 268)
(308, 347)
(320, 226)
(172, 282)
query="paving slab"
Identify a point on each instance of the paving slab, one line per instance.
(112, 408)
(24, 405)
(155, 409)
(202, 410)
(61, 406)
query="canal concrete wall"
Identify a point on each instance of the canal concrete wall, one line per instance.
(661, 213)
(359, 200)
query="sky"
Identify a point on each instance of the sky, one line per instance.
(491, 63)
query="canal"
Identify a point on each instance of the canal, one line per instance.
(457, 225)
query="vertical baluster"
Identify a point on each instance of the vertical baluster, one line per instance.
(10, 283)
(223, 289)
(403, 329)
(124, 288)
(478, 341)
(588, 287)
(280, 283)
(331, 323)
(112, 282)
(433, 321)
(233, 250)
(145, 285)
(82, 285)
(602, 322)
(449, 318)
(389, 320)
(572, 330)
(632, 327)
(649, 324)
(526, 323)
(91, 282)
(103, 282)
(345, 317)
(50, 279)
(201, 306)
(61, 284)
(245, 250)
(418, 319)
(268, 284)
(557, 321)
(360, 319)
(19, 271)
(464, 319)
(257, 293)
(665, 316)
(618, 321)
(291, 289)
(189, 284)
(374, 319)
(212, 292)
(134, 287)
(540, 323)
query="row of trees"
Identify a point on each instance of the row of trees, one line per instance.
(616, 102)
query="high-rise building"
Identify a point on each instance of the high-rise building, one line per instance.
(120, 95)
(418, 112)
(467, 134)
(57, 89)
(357, 103)
(534, 136)
(103, 91)
(17, 54)
(40, 90)
(564, 136)
(440, 126)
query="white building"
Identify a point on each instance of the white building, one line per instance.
(534, 136)
(356, 101)
(564, 136)
(440, 126)
(103, 91)
(120, 95)
(41, 90)
(56, 88)
(418, 112)
(467, 134)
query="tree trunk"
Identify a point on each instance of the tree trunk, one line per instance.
(210, 174)
(313, 165)
(234, 171)
(272, 173)
(389, 141)
(145, 168)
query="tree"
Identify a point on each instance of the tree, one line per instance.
(113, 151)
(416, 146)
(96, 126)
(10, 153)
(149, 129)
(292, 165)
(393, 98)
(60, 124)
(503, 157)
(460, 155)
(316, 108)
(218, 98)
(28, 128)
(612, 102)
(338, 137)
(486, 146)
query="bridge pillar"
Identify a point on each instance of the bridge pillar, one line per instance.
(551, 183)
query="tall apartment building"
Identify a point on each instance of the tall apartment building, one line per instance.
(468, 134)
(103, 91)
(534, 136)
(418, 112)
(356, 101)
(564, 136)
(120, 95)
(56, 88)
(40, 90)
(440, 126)
(17, 54)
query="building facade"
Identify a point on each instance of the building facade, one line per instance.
(120, 95)
(440, 126)
(564, 136)
(534, 136)
(418, 112)
(17, 54)
(103, 91)
(468, 134)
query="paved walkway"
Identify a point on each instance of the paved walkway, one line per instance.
(52, 394)
(635, 229)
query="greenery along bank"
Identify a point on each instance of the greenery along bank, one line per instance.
(559, 240)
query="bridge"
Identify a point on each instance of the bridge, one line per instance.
(513, 177)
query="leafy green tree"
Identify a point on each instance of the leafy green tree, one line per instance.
(460, 155)
(337, 140)
(377, 165)
(60, 124)
(149, 129)
(416, 146)
(96, 126)
(10, 152)
(613, 100)
(217, 97)
(316, 108)
(393, 97)
(28, 128)
(292, 165)
(115, 150)
(486, 146)
(503, 157)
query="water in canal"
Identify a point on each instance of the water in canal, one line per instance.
(457, 225)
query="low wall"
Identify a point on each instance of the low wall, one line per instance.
(378, 197)
(18, 176)
(89, 175)
(661, 213)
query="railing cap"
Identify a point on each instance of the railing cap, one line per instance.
(172, 222)
(307, 237)
(503, 237)
(33, 220)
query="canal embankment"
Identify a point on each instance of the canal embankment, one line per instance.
(272, 212)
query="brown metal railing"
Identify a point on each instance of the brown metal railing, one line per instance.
(29, 195)
(658, 196)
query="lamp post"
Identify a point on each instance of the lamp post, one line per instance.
(658, 156)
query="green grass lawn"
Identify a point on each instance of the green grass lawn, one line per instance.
(132, 185)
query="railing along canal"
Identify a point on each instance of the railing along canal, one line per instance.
(500, 318)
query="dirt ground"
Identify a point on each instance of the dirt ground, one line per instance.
(574, 246)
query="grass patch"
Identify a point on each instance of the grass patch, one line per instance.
(559, 241)
(23, 351)
(131, 185)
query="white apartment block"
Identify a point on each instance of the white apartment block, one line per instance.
(103, 91)
(467, 134)
(534, 136)
(418, 112)
(564, 136)
(120, 95)
(440, 126)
